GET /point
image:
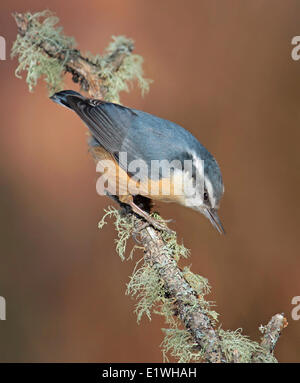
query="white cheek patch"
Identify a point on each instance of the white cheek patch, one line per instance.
(188, 185)
(194, 202)
(193, 197)
(194, 191)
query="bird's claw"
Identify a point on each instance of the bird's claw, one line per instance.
(155, 224)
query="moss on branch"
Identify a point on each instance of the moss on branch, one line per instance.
(44, 51)
(150, 290)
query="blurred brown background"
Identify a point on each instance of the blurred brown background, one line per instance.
(224, 71)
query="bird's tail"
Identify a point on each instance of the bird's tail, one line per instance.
(67, 98)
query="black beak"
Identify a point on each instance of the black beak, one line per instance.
(212, 215)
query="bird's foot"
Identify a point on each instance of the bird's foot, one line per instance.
(158, 225)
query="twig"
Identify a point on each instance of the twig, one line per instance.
(195, 320)
(271, 333)
(82, 69)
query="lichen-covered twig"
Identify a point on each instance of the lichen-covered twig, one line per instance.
(179, 295)
(160, 284)
(271, 333)
(186, 301)
(44, 50)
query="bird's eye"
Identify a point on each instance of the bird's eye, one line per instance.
(205, 196)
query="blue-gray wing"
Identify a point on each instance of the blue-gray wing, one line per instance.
(140, 135)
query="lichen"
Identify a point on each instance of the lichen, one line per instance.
(235, 344)
(131, 68)
(31, 56)
(146, 285)
(42, 33)
(166, 308)
(172, 247)
(180, 345)
(124, 226)
(197, 282)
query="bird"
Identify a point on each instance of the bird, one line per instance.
(148, 156)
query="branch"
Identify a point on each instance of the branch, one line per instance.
(188, 309)
(80, 67)
(102, 77)
(39, 47)
(271, 333)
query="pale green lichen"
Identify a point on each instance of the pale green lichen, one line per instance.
(166, 308)
(148, 288)
(172, 247)
(180, 345)
(131, 68)
(124, 226)
(146, 285)
(235, 344)
(32, 57)
(197, 282)
(201, 286)
(42, 33)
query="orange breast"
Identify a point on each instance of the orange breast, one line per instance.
(122, 185)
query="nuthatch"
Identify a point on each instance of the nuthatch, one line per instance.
(116, 130)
